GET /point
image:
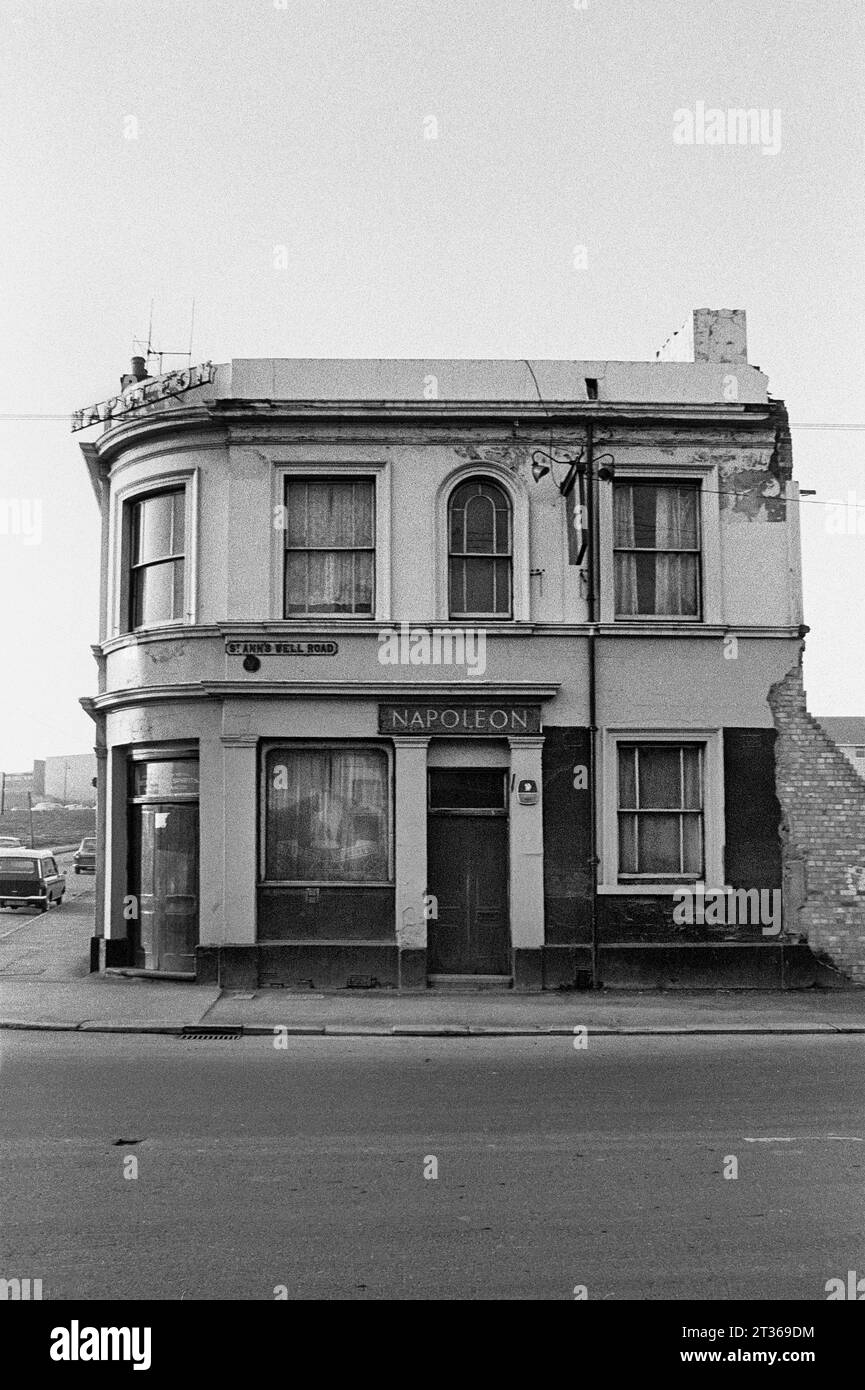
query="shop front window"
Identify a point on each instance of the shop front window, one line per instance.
(326, 814)
(169, 777)
(163, 867)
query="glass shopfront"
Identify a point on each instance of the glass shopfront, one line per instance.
(327, 815)
(163, 860)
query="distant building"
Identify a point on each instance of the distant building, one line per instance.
(848, 734)
(69, 779)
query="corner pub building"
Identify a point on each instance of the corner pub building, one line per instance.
(413, 671)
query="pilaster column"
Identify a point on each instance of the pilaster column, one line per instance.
(211, 836)
(411, 858)
(239, 821)
(102, 822)
(115, 784)
(526, 849)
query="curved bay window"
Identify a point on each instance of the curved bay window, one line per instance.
(327, 815)
(480, 551)
(157, 558)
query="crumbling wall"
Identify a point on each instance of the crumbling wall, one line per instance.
(822, 833)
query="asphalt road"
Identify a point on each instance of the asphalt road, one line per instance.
(259, 1167)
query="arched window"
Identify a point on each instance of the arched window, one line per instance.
(480, 551)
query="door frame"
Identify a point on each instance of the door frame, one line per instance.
(477, 813)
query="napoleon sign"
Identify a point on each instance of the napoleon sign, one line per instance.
(460, 720)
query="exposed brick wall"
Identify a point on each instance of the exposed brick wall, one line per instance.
(822, 833)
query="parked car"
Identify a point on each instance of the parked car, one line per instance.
(10, 842)
(30, 878)
(84, 857)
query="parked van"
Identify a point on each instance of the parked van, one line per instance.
(30, 878)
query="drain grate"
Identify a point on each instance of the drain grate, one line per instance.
(201, 1033)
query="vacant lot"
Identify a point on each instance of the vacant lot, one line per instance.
(55, 827)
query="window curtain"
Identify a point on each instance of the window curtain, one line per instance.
(626, 564)
(675, 529)
(327, 816)
(663, 519)
(660, 810)
(326, 521)
(331, 585)
(667, 569)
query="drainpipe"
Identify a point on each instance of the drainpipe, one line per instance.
(591, 603)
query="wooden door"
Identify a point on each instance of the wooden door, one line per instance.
(467, 857)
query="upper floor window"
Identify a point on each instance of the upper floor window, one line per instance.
(329, 546)
(157, 558)
(480, 551)
(656, 541)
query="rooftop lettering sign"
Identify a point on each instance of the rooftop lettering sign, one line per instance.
(159, 388)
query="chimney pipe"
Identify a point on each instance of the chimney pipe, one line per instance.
(138, 374)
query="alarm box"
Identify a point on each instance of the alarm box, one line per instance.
(527, 792)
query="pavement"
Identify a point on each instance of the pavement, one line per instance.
(124, 1005)
(45, 984)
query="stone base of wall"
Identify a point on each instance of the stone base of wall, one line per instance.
(688, 965)
(109, 953)
(371, 966)
(822, 834)
(727, 965)
(329, 965)
(363, 965)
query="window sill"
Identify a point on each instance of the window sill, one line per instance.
(146, 628)
(319, 884)
(691, 619)
(656, 890)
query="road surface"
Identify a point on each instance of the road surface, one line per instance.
(262, 1169)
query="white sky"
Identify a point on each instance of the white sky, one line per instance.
(303, 126)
